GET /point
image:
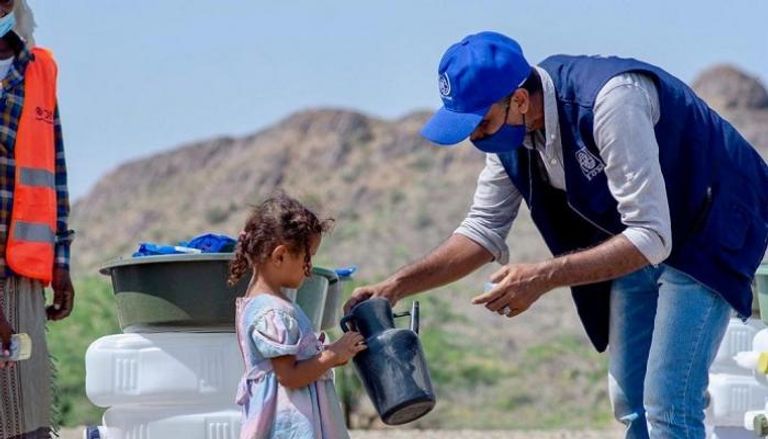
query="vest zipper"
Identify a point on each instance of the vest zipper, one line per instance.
(530, 189)
(590, 221)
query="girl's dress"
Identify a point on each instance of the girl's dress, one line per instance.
(268, 327)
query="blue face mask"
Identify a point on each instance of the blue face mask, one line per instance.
(507, 139)
(7, 23)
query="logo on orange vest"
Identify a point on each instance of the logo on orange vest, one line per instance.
(590, 164)
(43, 115)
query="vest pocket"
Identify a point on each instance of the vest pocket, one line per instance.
(736, 224)
(742, 236)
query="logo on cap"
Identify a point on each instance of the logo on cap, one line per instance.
(444, 84)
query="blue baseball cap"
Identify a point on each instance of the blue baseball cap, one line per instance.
(474, 73)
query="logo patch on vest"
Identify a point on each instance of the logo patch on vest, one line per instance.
(590, 164)
(43, 115)
(444, 84)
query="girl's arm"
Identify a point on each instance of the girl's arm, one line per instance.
(294, 374)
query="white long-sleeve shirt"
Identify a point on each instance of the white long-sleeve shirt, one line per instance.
(625, 113)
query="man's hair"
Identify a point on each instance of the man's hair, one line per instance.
(532, 83)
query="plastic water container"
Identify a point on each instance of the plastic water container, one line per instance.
(733, 395)
(205, 422)
(332, 309)
(163, 368)
(311, 299)
(739, 337)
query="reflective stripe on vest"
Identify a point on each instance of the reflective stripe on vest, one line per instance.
(34, 232)
(31, 236)
(38, 177)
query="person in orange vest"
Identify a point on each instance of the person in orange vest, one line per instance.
(34, 235)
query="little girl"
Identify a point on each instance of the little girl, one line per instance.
(287, 389)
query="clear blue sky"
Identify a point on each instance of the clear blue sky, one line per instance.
(137, 77)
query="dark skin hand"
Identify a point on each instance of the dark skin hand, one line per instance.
(63, 295)
(63, 302)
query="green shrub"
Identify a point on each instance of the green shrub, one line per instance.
(94, 316)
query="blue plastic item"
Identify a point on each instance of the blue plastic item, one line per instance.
(154, 249)
(213, 243)
(205, 243)
(92, 432)
(345, 273)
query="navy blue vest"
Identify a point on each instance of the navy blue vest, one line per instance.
(716, 184)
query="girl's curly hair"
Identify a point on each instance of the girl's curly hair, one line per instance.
(278, 220)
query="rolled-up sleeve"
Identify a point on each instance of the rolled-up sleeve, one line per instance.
(625, 113)
(494, 209)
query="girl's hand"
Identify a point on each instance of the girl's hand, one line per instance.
(346, 347)
(294, 374)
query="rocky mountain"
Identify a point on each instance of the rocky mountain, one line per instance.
(740, 98)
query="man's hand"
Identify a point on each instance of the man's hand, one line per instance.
(5, 336)
(63, 295)
(518, 286)
(382, 289)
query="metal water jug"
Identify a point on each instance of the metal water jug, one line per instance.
(392, 369)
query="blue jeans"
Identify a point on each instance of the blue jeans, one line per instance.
(664, 334)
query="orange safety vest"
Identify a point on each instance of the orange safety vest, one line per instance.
(32, 233)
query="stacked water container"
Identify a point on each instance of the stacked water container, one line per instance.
(172, 385)
(738, 387)
(755, 361)
(733, 390)
(174, 370)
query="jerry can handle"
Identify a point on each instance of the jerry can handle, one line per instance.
(414, 313)
(344, 322)
(415, 316)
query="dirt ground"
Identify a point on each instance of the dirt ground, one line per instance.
(77, 433)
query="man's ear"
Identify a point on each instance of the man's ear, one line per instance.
(522, 98)
(279, 254)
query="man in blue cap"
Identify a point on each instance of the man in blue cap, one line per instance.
(654, 207)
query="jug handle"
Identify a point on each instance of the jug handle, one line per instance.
(344, 322)
(414, 313)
